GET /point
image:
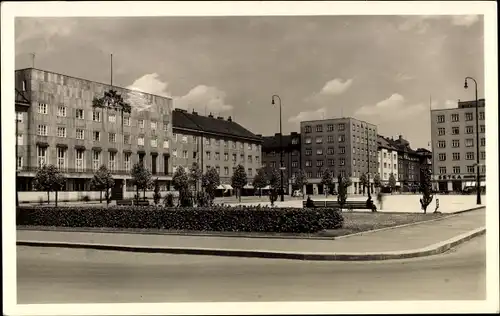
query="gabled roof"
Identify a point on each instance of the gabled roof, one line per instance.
(181, 119)
(383, 142)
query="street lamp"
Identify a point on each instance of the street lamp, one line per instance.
(17, 168)
(478, 186)
(368, 154)
(281, 148)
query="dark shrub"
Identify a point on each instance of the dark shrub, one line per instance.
(169, 200)
(309, 202)
(85, 198)
(240, 219)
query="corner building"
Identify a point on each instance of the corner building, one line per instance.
(57, 124)
(344, 146)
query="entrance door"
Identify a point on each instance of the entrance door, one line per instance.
(116, 190)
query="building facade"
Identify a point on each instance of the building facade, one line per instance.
(454, 146)
(343, 145)
(387, 161)
(408, 164)
(57, 124)
(291, 155)
(214, 142)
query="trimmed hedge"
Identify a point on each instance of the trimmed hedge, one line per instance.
(228, 219)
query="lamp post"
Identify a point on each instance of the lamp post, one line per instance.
(281, 148)
(17, 169)
(478, 186)
(368, 154)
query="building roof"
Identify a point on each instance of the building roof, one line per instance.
(383, 142)
(181, 119)
(273, 142)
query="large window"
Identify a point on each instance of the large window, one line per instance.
(42, 108)
(442, 170)
(456, 156)
(61, 158)
(455, 117)
(96, 116)
(112, 161)
(140, 140)
(126, 161)
(112, 137)
(96, 136)
(61, 132)
(469, 116)
(80, 114)
(469, 129)
(96, 160)
(441, 144)
(440, 118)
(80, 160)
(469, 155)
(41, 156)
(61, 111)
(42, 130)
(455, 143)
(80, 134)
(441, 131)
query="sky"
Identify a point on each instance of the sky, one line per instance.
(386, 70)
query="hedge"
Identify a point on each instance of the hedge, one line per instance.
(227, 219)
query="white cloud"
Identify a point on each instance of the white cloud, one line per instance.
(336, 86)
(150, 83)
(420, 24)
(449, 104)
(393, 107)
(464, 20)
(308, 115)
(204, 97)
(43, 28)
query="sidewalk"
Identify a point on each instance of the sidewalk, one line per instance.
(396, 240)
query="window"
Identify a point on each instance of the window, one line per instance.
(209, 155)
(112, 118)
(481, 115)
(455, 130)
(342, 161)
(441, 131)
(217, 156)
(257, 159)
(319, 140)
(469, 155)
(154, 125)
(141, 123)
(126, 161)
(165, 126)
(242, 145)
(126, 120)
(96, 116)
(482, 129)
(249, 158)
(273, 164)
(331, 162)
(19, 163)
(112, 137)
(342, 150)
(308, 163)
(174, 154)
(319, 128)
(483, 155)
(242, 158)
(455, 117)
(80, 134)
(24, 85)
(308, 129)
(319, 163)
(19, 117)
(468, 116)
(185, 154)
(217, 169)
(79, 160)
(469, 129)
(330, 151)
(80, 114)
(483, 142)
(61, 111)
(165, 144)
(342, 138)
(111, 161)
(354, 162)
(470, 169)
(61, 132)
(440, 118)
(341, 127)
(319, 151)
(442, 170)
(96, 159)
(126, 139)
(41, 156)
(441, 144)
(330, 138)
(42, 130)
(140, 140)
(295, 164)
(442, 157)
(309, 174)
(208, 141)
(329, 128)
(233, 145)
(456, 156)
(483, 169)
(319, 174)
(456, 169)
(154, 142)
(250, 172)
(42, 108)
(20, 139)
(455, 143)
(249, 146)
(226, 144)
(308, 140)
(469, 142)
(96, 136)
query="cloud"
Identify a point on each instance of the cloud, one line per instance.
(464, 20)
(403, 77)
(150, 83)
(45, 29)
(308, 115)
(204, 97)
(336, 86)
(393, 107)
(449, 104)
(420, 24)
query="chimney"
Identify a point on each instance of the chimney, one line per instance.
(194, 112)
(229, 119)
(210, 115)
(400, 137)
(293, 133)
(220, 118)
(277, 134)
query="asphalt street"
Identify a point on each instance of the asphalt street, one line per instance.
(51, 275)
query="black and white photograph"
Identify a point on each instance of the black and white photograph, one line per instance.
(249, 153)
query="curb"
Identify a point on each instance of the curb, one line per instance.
(265, 254)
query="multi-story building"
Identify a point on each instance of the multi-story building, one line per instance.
(291, 155)
(454, 146)
(343, 145)
(408, 164)
(214, 142)
(57, 124)
(387, 160)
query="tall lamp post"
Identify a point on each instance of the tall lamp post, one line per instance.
(17, 168)
(478, 186)
(368, 154)
(281, 148)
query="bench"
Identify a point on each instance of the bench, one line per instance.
(355, 205)
(124, 202)
(141, 203)
(316, 203)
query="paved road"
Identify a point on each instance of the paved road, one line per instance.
(50, 275)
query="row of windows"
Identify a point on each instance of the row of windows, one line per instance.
(272, 164)
(386, 165)
(456, 156)
(319, 174)
(455, 130)
(208, 155)
(455, 117)
(458, 170)
(331, 162)
(394, 156)
(340, 127)
(218, 142)
(455, 143)
(226, 171)
(273, 153)
(341, 139)
(96, 116)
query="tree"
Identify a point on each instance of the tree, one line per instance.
(239, 179)
(274, 179)
(141, 177)
(376, 181)
(49, 178)
(347, 181)
(426, 188)
(210, 182)
(300, 180)
(180, 181)
(260, 181)
(195, 175)
(327, 180)
(156, 194)
(102, 181)
(392, 182)
(342, 192)
(363, 180)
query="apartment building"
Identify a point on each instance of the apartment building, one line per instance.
(57, 124)
(291, 147)
(454, 146)
(409, 162)
(387, 160)
(214, 142)
(343, 145)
